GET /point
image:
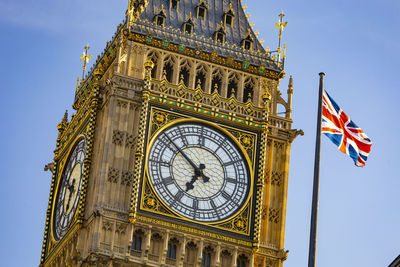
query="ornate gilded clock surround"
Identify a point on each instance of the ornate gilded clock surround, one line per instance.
(82, 125)
(149, 206)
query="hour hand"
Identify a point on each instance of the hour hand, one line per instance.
(205, 178)
(189, 185)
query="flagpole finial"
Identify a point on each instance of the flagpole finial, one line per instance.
(322, 74)
(85, 58)
(280, 25)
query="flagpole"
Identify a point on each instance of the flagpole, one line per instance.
(314, 209)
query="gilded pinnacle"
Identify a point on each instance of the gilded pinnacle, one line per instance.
(85, 58)
(281, 25)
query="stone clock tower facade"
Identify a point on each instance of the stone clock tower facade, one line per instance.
(176, 154)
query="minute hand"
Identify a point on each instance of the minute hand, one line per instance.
(198, 171)
(184, 155)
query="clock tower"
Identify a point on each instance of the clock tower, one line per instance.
(176, 154)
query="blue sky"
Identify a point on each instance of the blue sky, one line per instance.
(356, 43)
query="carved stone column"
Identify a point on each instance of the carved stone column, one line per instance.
(147, 245)
(200, 252)
(165, 250)
(234, 257)
(225, 81)
(183, 252)
(217, 255)
(239, 93)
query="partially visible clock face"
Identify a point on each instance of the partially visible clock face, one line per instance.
(69, 189)
(198, 171)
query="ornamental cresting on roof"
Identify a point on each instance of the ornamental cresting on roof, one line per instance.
(203, 34)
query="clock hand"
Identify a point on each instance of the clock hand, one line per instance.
(197, 170)
(205, 178)
(71, 190)
(189, 185)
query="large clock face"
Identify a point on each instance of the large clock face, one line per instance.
(69, 189)
(198, 171)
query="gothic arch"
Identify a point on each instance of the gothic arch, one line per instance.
(155, 57)
(233, 85)
(248, 90)
(201, 76)
(184, 71)
(169, 65)
(216, 82)
(191, 253)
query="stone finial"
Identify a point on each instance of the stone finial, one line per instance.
(198, 84)
(63, 124)
(65, 119)
(290, 97)
(291, 82)
(215, 88)
(182, 79)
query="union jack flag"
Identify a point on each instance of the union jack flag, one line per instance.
(343, 132)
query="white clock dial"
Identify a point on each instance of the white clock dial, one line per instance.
(198, 172)
(69, 189)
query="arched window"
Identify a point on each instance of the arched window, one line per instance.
(191, 256)
(184, 73)
(241, 261)
(156, 244)
(168, 69)
(248, 91)
(226, 259)
(172, 249)
(206, 257)
(201, 73)
(216, 83)
(232, 85)
(137, 240)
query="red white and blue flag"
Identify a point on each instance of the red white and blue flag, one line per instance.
(343, 132)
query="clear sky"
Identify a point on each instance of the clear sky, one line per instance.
(356, 43)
